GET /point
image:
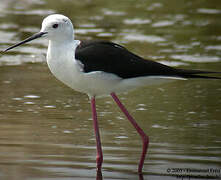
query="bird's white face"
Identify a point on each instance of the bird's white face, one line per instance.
(57, 27)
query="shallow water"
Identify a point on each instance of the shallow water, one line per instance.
(46, 128)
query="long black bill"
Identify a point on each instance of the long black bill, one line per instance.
(35, 36)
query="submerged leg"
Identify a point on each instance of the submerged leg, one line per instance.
(144, 137)
(97, 135)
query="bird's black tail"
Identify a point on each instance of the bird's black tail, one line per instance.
(196, 74)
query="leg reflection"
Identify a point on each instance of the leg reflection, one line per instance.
(140, 176)
(99, 175)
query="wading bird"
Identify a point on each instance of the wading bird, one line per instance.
(101, 68)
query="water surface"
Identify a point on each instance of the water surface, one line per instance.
(46, 128)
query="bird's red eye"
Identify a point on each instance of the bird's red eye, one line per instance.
(55, 26)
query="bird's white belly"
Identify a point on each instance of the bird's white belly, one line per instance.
(97, 83)
(101, 83)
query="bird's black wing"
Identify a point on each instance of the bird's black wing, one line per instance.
(113, 58)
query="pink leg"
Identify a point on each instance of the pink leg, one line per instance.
(144, 137)
(97, 135)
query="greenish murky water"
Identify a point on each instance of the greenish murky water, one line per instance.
(46, 128)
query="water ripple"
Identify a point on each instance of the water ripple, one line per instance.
(196, 58)
(208, 11)
(137, 21)
(163, 23)
(145, 38)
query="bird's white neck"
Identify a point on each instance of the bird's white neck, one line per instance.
(62, 51)
(61, 58)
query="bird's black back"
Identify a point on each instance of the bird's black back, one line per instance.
(113, 58)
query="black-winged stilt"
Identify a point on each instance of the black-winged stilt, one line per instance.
(101, 68)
